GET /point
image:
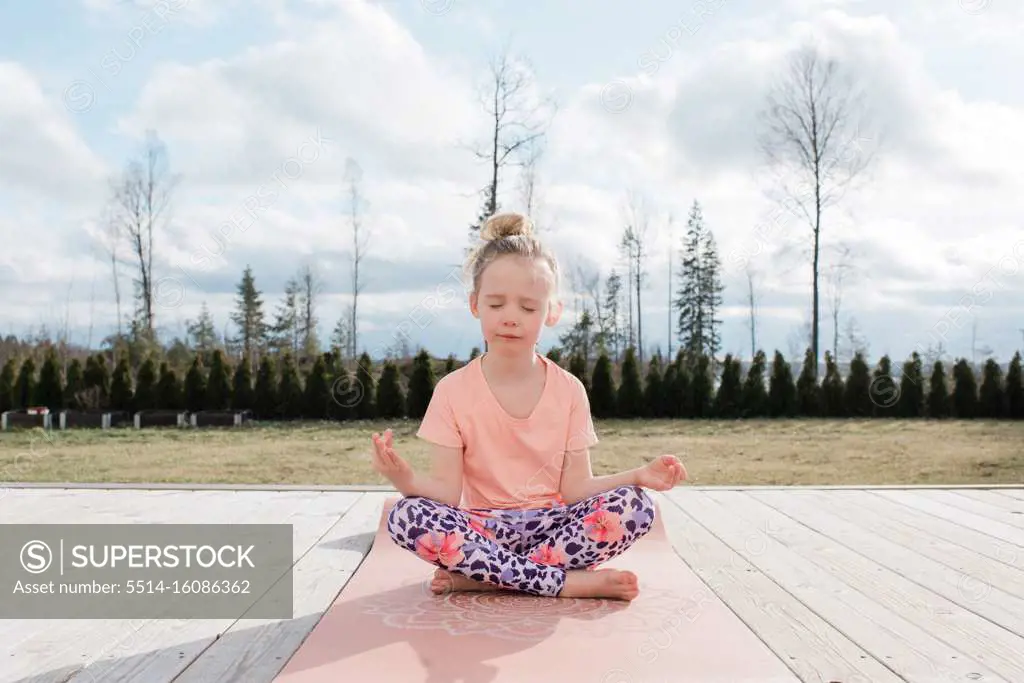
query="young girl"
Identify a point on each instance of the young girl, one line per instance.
(510, 501)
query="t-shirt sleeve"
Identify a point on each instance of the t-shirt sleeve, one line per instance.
(581, 424)
(439, 424)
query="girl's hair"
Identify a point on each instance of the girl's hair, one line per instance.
(508, 234)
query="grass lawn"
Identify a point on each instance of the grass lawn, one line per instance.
(787, 452)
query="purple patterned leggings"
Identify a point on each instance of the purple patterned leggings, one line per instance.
(528, 550)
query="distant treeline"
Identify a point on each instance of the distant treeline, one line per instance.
(326, 388)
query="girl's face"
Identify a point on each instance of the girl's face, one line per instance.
(514, 303)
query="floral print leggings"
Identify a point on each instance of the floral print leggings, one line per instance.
(528, 550)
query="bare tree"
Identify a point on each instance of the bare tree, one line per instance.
(528, 180)
(518, 120)
(812, 126)
(626, 247)
(635, 241)
(752, 300)
(360, 242)
(669, 308)
(141, 197)
(113, 236)
(838, 273)
(311, 286)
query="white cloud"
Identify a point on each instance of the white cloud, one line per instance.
(940, 207)
(43, 153)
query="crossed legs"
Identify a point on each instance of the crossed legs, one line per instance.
(544, 552)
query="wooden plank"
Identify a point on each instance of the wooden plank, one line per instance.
(978, 568)
(1015, 493)
(61, 640)
(255, 651)
(994, 550)
(64, 647)
(985, 525)
(980, 620)
(1002, 510)
(906, 648)
(812, 647)
(994, 498)
(170, 644)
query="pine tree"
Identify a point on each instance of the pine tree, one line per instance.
(832, 389)
(991, 396)
(654, 389)
(449, 364)
(554, 355)
(289, 390)
(248, 316)
(669, 381)
(266, 401)
(243, 396)
(7, 385)
(755, 396)
(421, 385)
(857, 397)
(911, 401)
(218, 383)
(317, 394)
(678, 391)
(122, 394)
(74, 385)
(699, 297)
(884, 391)
(474, 352)
(965, 391)
(578, 368)
(202, 334)
(730, 389)
(195, 386)
(170, 393)
(602, 388)
(630, 398)
(808, 391)
(702, 388)
(711, 292)
(390, 401)
(1014, 389)
(364, 403)
(96, 395)
(691, 326)
(938, 393)
(49, 391)
(25, 389)
(782, 396)
(610, 334)
(146, 386)
(284, 331)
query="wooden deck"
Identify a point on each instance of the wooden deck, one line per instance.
(857, 585)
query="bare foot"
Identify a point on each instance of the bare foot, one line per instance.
(616, 584)
(445, 581)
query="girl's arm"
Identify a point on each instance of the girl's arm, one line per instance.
(444, 483)
(578, 480)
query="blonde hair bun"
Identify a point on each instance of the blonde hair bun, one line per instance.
(505, 225)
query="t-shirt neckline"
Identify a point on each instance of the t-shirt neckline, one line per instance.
(494, 399)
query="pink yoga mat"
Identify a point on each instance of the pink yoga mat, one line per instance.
(387, 626)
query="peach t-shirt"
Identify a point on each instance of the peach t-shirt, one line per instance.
(509, 462)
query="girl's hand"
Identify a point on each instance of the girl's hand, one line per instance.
(661, 474)
(388, 463)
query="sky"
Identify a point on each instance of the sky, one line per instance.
(269, 102)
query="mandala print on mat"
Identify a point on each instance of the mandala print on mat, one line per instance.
(513, 616)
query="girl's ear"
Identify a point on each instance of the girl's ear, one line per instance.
(554, 314)
(474, 309)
